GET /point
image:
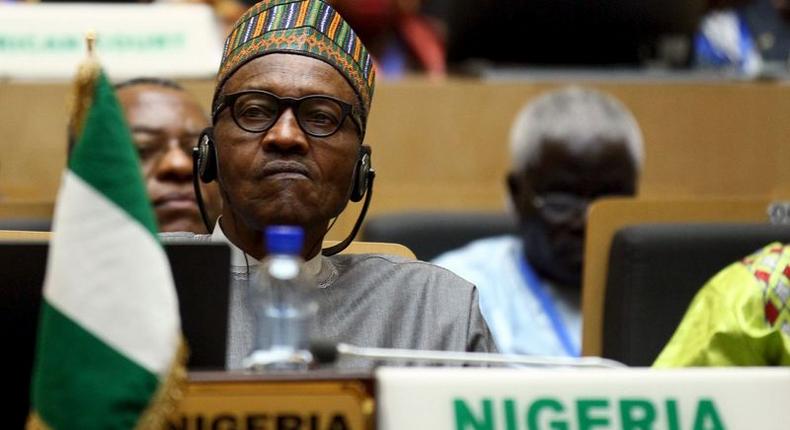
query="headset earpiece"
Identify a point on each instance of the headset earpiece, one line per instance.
(206, 156)
(204, 167)
(362, 172)
(362, 188)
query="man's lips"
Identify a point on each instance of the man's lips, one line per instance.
(285, 169)
(175, 201)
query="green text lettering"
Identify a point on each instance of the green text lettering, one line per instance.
(464, 419)
(707, 417)
(533, 415)
(584, 409)
(637, 414)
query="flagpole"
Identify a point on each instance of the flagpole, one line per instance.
(87, 73)
(90, 42)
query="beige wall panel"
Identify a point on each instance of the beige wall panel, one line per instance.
(443, 145)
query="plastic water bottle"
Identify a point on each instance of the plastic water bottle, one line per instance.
(283, 297)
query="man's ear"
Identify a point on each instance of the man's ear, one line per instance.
(521, 194)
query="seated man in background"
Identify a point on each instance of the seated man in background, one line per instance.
(568, 147)
(290, 110)
(749, 37)
(741, 317)
(165, 121)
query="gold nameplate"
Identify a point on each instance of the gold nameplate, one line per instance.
(312, 401)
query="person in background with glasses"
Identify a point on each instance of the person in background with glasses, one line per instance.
(165, 121)
(289, 115)
(568, 147)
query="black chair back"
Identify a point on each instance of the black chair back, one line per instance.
(429, 234)
(654, 272)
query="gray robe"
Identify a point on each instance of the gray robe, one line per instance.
(375, 301)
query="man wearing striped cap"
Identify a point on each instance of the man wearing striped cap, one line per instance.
(289, 114)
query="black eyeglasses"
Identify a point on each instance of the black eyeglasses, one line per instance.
(560, 207)
(256, 111)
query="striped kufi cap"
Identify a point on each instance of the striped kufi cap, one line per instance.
(303, 27)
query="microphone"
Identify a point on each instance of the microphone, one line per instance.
(327, 352)
(334, 249)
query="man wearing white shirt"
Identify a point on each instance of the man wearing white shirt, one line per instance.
(568, 147)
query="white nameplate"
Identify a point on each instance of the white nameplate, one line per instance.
(583, 399)
(47, 41)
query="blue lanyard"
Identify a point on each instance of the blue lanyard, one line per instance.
(534, 284)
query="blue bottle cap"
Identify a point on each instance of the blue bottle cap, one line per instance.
(284, 239)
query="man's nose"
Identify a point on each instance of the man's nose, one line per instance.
(285, 135)
(175, 163)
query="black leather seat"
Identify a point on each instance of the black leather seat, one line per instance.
(654, 272)
(429, 234)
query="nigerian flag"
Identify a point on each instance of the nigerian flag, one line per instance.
(109, 339)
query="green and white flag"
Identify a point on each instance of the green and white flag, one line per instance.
(109, 339)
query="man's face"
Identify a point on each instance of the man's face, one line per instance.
(165, 125)
(283, 175)
(552, 196)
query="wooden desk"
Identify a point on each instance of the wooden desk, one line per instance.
(22, 208)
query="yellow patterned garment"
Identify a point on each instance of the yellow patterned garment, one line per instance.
(741, 317)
